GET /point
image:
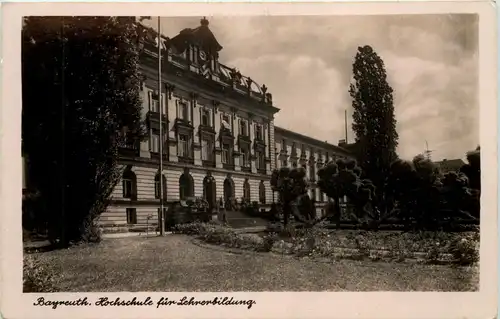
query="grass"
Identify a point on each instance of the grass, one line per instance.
(174, 263)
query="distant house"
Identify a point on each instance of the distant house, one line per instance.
(453, 165)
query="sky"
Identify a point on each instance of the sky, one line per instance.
(306, 62)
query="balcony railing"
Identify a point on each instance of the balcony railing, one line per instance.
(156, 156)
(208, 163)
(247, 169)
(130, 151)
(261, 171)
(185, 160)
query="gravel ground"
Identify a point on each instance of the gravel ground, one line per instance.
(174, 263)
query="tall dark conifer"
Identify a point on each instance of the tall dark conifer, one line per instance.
(373, 120)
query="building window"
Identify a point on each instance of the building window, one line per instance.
(313, 194)
(206, 150)
(155, 143)
(260, 162)
(184, 146)
(245, 156)
(131, 216)
(226, 121)
(186, 186)
(312, 172)
(283, 145)
(259, 135)
(158, 186)
(129, 184)
(262, 193)
(225, 153)
(243, 128)
(321, 196)
(284, 163)
(183, 111)
(246, 191)
(154, 105)
(205, 117)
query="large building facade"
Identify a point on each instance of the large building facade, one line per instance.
(296, 150)
(218, 134)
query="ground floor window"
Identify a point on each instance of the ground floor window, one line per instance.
(262, 193)
(131, 216)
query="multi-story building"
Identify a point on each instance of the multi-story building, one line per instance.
(296, 150)
(217, 125)
(218, 133)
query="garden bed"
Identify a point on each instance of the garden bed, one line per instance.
(433, 247)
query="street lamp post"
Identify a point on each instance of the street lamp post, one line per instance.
(161, 219)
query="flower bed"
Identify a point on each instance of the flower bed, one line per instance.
(434, 247)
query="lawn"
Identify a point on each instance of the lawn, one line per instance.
(174, 263)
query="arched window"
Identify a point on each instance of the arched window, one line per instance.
(246, 190)
(209, 191)
(157, 186)
(228, 189)
(129, 184)
(262, 192)
(186, 186)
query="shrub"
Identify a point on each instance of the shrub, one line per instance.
(465, 250)
(268, 241)
(36, 276)
(92, 232)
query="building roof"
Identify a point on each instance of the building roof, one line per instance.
(450, 165)
(309, 140)
(201, 36)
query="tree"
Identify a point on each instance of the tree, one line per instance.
(81, 103)
(290, 184)
(343, 178)
(374, 123)
(415, 185)
(473, 168)
(458, 199)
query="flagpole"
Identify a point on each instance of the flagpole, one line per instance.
(345, 124)
(162, 224)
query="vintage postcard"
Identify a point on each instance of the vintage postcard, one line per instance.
(249, 160)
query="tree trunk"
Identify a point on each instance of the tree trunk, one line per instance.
(286, 213)
(337, 213)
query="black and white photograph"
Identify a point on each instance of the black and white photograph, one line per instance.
(251, 153)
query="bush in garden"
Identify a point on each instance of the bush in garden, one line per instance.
(290, 184)
(36, 276)
(416, 188)
(465, 250)
(457, 198)
(268, 241)
(473, 168)
(342, 178)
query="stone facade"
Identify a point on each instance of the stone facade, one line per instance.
(297, 150)
(219, 139)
